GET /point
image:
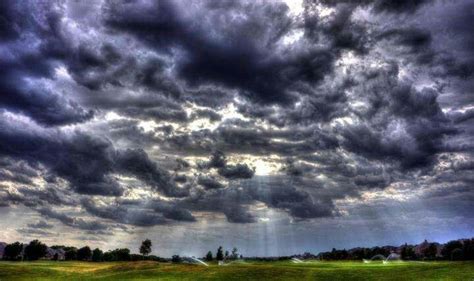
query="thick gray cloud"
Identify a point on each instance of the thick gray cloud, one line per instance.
(85, 161)
(41, 225)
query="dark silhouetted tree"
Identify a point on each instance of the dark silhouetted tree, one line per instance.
(431, 251)
(176, 258)
(235, 253)
(407, 252)
(35, 250)
(70, 253)
(145, 248)
(457, 254)
(220, 254)
(209, 256)
(13, 251)
(84, 253)
(449, 247)
(97, 255)
(468, 249)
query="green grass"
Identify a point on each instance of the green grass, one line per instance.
(48, 270)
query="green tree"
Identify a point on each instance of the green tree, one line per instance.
(35, 250)
(145, 248)
(13, 251)
(220, 254)
(97, 255)
(407, 252)
(235, 253)
(70, 253)
(209, 256)
(117, 255)
(84, 253)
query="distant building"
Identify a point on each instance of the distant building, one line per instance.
(2, 249)
(53, 254)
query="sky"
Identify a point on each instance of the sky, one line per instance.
(275, 127)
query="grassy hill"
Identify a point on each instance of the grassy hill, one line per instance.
(48, 270)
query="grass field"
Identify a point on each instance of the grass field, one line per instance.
(47, 270)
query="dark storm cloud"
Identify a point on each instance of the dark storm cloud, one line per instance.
(412, 41)
(371, 94)
(136, 163)
(48, 195)
(179, 215)
(207, 113)
(9, 29)
(411, 151)
(86, 162)
(209, 182)
(338, 29)
(238, 215)
(275, 192)
(234, 58)
(282, 194)
(34, 232)
(239, 171)
(218, 160)
(73, 222)
(20, 84)
(459, 117)
(17, 171)
(245, 138)
(402, 6)
(123, 215)
(146, 214)
(41, 225)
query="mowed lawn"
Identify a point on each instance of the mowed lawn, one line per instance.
(47, 270)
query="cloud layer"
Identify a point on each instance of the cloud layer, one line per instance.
(124, 115)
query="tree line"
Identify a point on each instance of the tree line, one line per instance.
(37, 250)
(34, 250)
(453, 250)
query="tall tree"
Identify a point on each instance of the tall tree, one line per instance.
(145, 248)
(70, 253)
(220, 254)
(235, 253)
(209, 256)
(35, 250)
(97, 255)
